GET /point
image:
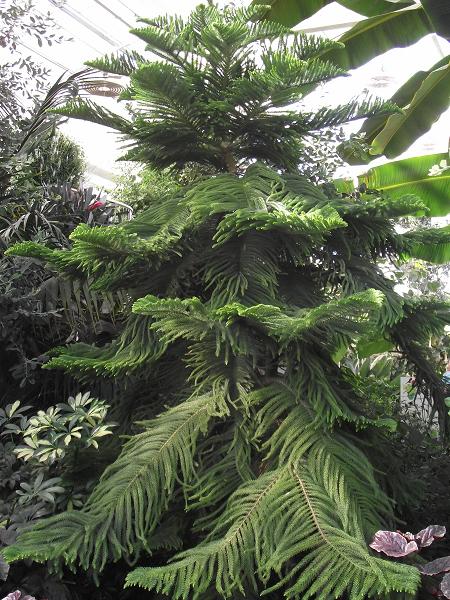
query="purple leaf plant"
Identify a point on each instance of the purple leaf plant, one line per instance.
(397, 544)
(18, 596)
(393, 543)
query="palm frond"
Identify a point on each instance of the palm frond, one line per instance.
(90, 111)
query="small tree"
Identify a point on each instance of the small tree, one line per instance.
(247, 286)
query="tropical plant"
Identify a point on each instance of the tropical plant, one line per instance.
(387, 25)
(40, 199)
(250, 473)
(37, 309)
(413, 176)
(50, 434)
(142, 187)
(377, 380)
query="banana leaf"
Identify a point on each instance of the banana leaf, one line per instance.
(368, 347)
(373, 126)
(292, 12)
(438, 12)
(371, 8)
(410, 176)
(428, 103)
(376, 35)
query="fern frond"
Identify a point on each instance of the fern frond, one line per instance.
(175, 318)
(408, 205)
(348, 316)
(303, 46)
(310, 228)
(223, 560)
(109, 254)
(280, 83)
(331, 117)
(335, 562)
(422, 320)
(244, 269)
(226, 193)
(165, 43)
(225, 461)
(160, 87)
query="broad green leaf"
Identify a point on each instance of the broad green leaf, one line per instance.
(428, 103)
(438, 12)
(14, 407)
(368, 347)
(373, 126)
(344, 185)
(371, 8)
(340, 353)
(410, 176)
(292, 12)
(376, 35)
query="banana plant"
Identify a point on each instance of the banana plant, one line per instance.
(387, 24)
(414, 176)
(426, 177)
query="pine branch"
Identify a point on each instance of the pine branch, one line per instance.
(267, 523)
(135, 348)
(123, 63)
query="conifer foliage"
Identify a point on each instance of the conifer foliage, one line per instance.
(253, 477)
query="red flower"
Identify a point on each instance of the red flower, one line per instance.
(96, 204)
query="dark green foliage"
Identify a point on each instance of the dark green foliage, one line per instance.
(38, 310)
(45, 475)
(57, 160)
(252, 471)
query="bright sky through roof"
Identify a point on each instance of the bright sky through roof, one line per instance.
(100, 27)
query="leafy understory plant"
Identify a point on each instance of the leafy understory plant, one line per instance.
(49, 434)
(252, 473)
(37, 477)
